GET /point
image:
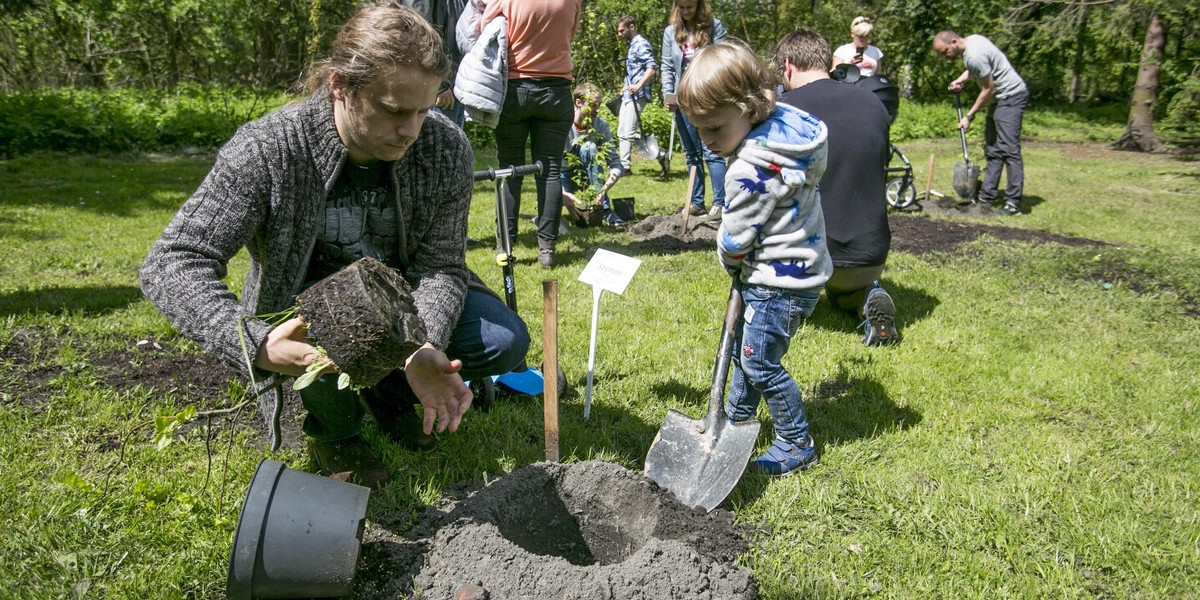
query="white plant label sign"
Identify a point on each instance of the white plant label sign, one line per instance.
(610, 271)
(606, 271)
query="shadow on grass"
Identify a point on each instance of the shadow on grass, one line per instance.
(845, 409)
(912, 305)
(61, 300)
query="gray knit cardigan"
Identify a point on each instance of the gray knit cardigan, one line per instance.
(266, 193)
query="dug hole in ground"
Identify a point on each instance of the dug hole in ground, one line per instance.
(551, 531)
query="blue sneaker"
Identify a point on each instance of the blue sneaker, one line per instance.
(880, 325)
(785, 457)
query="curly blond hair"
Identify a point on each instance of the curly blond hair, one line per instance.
(728, 73)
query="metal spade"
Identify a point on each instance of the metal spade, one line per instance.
(700, 460)
(966, 175)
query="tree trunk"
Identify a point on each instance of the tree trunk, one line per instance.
(1077, 58)
(1139, 135)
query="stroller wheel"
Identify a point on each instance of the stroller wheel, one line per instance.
(900, 193)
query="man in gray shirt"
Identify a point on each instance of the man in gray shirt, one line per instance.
(997, 81)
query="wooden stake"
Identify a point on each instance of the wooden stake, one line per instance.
(687, 200)
(550, 366)
(929, 178)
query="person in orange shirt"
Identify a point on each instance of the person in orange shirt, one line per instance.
(538, 108)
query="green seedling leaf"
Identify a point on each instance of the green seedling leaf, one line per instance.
(73, 480)
(313, 372)
(166, 426)
(306, 379)
(343, 381)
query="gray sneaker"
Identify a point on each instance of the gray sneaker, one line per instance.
(696, 210)
(880, 324)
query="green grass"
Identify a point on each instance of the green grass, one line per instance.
(1035, 435)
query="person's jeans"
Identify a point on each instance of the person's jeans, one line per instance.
(1002, 147)
(489, 338)
(457, 114)
(627, 128)
(697, 156)
(540, 111)
(764, 333)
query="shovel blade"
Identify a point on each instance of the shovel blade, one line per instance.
(966, 180)
(700, 468)
(648, 146)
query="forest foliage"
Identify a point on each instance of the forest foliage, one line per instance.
(1069, 51)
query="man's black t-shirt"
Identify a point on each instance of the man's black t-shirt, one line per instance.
(360, 220)
(854, 184)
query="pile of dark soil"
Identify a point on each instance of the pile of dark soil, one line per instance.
(553, 531)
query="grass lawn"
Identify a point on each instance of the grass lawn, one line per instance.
(1035, 435)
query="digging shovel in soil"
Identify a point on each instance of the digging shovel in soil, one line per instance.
(701, 460)
(966, 175)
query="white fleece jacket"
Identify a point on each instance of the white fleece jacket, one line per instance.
(773, 230)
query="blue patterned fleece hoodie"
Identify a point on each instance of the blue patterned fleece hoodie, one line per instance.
(773, 229)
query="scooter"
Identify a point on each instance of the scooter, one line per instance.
(524, 379)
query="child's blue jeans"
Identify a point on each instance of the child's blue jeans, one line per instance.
(764, 333)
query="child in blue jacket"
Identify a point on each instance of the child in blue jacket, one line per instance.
(772, 236)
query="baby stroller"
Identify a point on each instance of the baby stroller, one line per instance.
(900, 192)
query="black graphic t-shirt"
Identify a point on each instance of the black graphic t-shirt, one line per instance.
(360, 220)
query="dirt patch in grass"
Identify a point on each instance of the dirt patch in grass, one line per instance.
(915, 234)
(32, 378)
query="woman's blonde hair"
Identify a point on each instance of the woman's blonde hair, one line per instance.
(724, 74)
(702, 32)
(861, 26)
(378, 37)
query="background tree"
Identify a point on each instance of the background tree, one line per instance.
(1139, 135)
(1085, 52)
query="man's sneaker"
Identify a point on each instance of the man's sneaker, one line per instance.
(716, 211)
(696, 210)
(880, 323)
(349, 460)
(1009, 210)
(785, 457)
(611, 218)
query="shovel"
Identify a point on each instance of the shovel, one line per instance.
(966, 175)
(646, 144)
(701, 460)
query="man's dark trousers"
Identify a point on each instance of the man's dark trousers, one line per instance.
(1002, 147)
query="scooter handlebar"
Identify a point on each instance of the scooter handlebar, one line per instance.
(519, 171)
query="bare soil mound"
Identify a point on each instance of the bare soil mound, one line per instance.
(552, 531)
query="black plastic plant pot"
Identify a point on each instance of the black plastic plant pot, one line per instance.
(298, 536)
